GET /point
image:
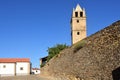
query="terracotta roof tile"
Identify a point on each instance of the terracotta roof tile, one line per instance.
(35, 69)
(13, 60)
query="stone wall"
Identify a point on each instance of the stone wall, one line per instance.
(94, 58)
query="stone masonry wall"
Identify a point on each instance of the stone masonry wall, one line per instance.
(94, 58)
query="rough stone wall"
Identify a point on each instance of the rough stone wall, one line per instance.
(97, 59)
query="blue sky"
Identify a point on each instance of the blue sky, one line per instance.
(29, 27)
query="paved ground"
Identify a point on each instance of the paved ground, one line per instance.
(30, 77)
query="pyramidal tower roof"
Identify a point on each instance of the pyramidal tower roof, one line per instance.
(78, 8)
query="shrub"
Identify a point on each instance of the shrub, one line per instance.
(79, 45)
(42, 65)
(53, 51)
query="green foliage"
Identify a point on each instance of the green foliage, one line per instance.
(42, 65)
(55, 50)
(79, 45)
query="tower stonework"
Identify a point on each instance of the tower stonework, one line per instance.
(78, 24)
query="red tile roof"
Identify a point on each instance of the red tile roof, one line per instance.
(35, 69)
(13, 60)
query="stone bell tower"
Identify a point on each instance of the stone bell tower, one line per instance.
(78, 24)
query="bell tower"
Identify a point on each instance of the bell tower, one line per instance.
(78, 24)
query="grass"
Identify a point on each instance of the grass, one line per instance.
(77, 46)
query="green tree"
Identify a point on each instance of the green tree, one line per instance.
(55, 50)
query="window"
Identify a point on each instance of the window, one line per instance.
(21, 68)
(76, 14)
(77, 21)
(81, 14)
(4, 66)
(78, 33)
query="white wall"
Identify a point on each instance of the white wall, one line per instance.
(36, 71)
(7, 69)
(25, 66)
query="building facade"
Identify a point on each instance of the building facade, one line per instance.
(35, 71)
(78, 24)
(43, 61)
(14, 66)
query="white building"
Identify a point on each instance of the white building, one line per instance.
(14, 66)
(35, 70)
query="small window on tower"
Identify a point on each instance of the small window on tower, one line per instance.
(78, 33)
(81, 14)
(76, 14)
(77, 21)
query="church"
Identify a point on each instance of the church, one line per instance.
(78, 28)
(78, 24)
